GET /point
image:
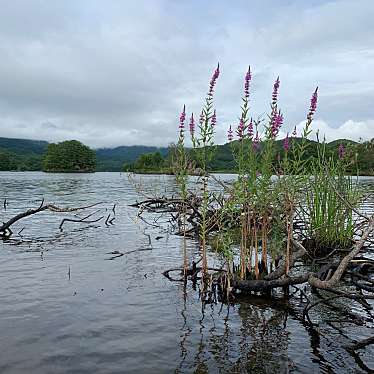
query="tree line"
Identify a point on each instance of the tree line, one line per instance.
(67, 156)
(362, 155)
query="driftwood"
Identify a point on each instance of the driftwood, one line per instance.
(5, 228)
(309, 272)
(277, 279)
(327, 277)
(315, 282)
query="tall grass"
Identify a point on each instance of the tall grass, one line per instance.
(330, 217)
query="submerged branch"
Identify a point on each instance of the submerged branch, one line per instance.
(5, 228)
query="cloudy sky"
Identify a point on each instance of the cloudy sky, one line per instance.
(114, 72)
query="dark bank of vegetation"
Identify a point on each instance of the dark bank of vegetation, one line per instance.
(27, 155)
(223, 160)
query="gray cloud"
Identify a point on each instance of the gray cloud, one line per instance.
(111, 73)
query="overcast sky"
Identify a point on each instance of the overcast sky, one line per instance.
(112, 73)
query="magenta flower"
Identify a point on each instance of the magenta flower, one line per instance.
(247, 79)
(182, 118)
(192, 125)
(286, 143)
(213, 81)
(230, 135)
(214, 118)
(341, 151)
(313, 105)
(240, 129)
(276, 124)
(250, 129)
(275, 91)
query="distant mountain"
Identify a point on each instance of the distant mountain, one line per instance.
(112, 159)
(23, 146)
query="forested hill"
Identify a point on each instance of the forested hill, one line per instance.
(26, 154)
(23, 146)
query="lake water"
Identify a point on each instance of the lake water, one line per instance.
(66, 308)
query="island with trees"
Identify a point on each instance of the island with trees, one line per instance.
(69, 157)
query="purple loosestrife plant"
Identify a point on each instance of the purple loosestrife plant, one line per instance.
(250, 129)
(247, 80)
(286, 143)
(213, 121)
(181, 162)
(274, 95)
(297, 161)
(276, 124)
(201, 118)
(182, 118)
(192, 126)
(241, 149)
(313, 104)
(213, 81)
(256, 142)
(230, 135)
(203, 143)
(341, 151)
(240, 129)
(181, 176)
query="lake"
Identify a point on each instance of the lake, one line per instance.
(66, 307)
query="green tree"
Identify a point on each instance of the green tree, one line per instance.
(148, 162)
(69, 156)
(5, 161)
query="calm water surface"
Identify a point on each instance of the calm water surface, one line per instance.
(122, 315)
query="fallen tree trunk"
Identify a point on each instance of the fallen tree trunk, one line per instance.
(266, 285)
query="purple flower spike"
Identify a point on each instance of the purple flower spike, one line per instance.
(240, 129)
(192, 125)
(276, 124)
(230, 135)
(313, 105)
(250, 129)
(286, 143)
(274, 96)
(213, 81)
(214, 118)
(247, 79)
(341, 151)
(182, 118)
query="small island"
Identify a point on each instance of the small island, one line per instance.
(69, 157)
